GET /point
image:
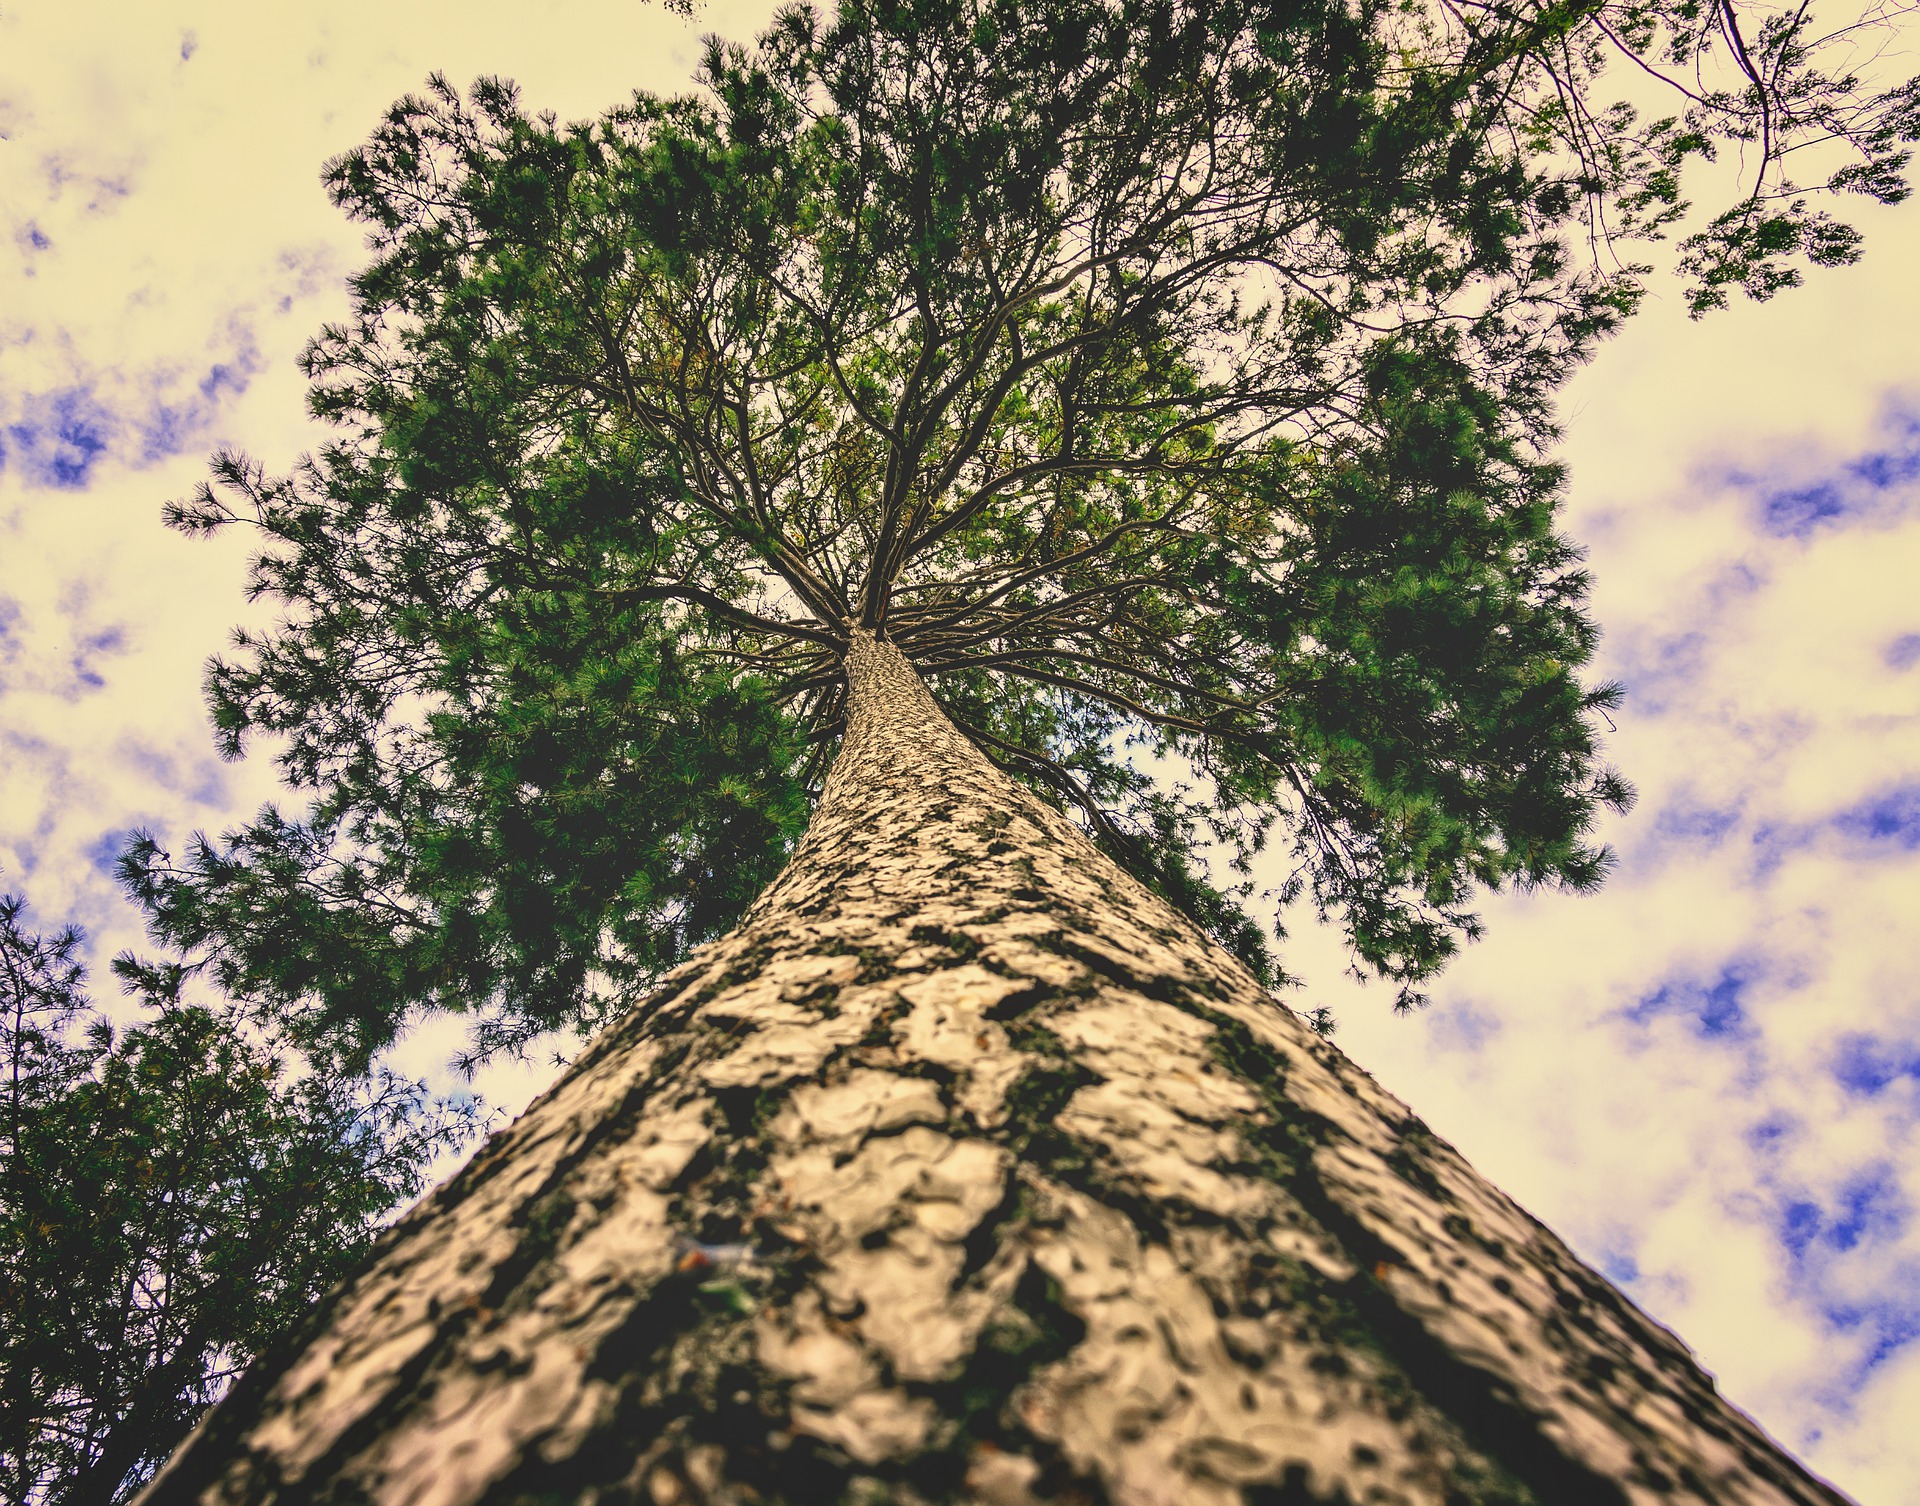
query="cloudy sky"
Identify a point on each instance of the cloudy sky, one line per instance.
(1707, 1077)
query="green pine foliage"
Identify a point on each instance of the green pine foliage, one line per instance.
(174, 1195)
(1174, 382)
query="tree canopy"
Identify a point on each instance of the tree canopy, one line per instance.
(1172, 382)
(174, 1194)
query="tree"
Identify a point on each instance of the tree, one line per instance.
(1136, 413)
(173, 1197)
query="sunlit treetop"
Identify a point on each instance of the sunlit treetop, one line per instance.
(1173, 383)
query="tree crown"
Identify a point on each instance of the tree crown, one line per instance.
(1173, 383)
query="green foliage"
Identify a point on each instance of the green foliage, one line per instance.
(1781, 92)
(1174, 383)
(532, 789)
(174, 1195)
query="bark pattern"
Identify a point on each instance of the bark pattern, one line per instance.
(966, 1171)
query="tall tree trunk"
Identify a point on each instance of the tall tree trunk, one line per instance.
(966, 1170)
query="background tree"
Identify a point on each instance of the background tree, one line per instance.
(175, 1195)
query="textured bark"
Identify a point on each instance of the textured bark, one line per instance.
(966, 1170)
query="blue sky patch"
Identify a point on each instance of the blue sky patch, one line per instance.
(1463, 1026)
(1881, 824)
(225, 377)
(1896, 466)
(1619, 1266)
(1867, 1065)
(202, 780)
(1875, 487)
(1871, 1207)
(59, 437)
(1888, 1326)
(1889, 819)
(1769, 1132)
(1866, 1216)
(1715, 1008)
(1893, 1325)
(92, 647)
(103, 853)
(1696, 825)
(1657, 669)
(1799, 1223)
(11, 637)
(104, 190)
(1798, 513)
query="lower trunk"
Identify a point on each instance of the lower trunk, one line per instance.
(965, 1170)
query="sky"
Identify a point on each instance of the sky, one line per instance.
(1706, 1078)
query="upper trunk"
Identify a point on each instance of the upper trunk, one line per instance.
(966, 1170)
